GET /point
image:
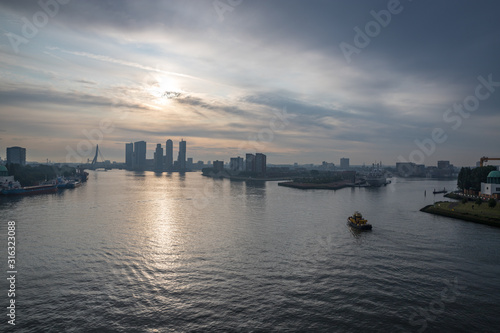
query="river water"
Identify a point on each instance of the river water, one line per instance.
(140, 252)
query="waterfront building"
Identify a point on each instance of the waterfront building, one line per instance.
(181, 159)
(237, 164)
(189, 163)
(129, 155)
(491, 189)
(169, 155)
(250, 162)
(344, 163)
(444, 170)
(405, 169)
(16, 155)
(5, 179)
(158, 158)
(218, 166)
(443, 165)
(260, 163)
(139, 160)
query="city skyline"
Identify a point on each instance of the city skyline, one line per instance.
(365, 81)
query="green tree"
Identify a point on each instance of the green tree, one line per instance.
(492, 203)
(464, 200)
(464, 178)
(471, 179)
(479, 201)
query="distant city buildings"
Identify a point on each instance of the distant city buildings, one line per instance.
(237, 164)
(169, 155)
(218, 166)
(327, 166)
(444, 169)
(129, 155)
(16, 155)
(135, 158)
(181, 159)
(409, 169)
(260, 163)
(249, 162)
(139, 157)
(158, 158)
(344, 163)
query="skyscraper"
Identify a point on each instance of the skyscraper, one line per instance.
(260, 163)
(169, 155)
(250, 162)
(158, 158)
(236, 164)
(344, 163)
(129, 155)
(16, 155)
(139, 156)
(182, 156)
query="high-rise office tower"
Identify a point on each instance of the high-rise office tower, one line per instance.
(182, 156)
(236, 164)
(169, 155)
(140, 155)
(16, 155)
(344, 163)
(158, 158)
(250, 162)
(129, 155)
(260, 163)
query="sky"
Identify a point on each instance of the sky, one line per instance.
(306, 82)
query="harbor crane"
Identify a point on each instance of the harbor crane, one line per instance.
(486, 159)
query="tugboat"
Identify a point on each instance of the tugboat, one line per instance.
(357, 221)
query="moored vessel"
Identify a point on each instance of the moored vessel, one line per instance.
(376, 178)
(30, 190)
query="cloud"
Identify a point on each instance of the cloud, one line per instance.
(216, 79)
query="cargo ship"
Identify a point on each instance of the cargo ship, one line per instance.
(30, 190)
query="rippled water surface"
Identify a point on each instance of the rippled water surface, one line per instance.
(139, 252)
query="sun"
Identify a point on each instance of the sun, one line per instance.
(162, 88)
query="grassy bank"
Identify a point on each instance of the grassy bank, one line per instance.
(469, 211)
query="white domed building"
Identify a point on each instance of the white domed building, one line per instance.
(491, 189)
(6, 181)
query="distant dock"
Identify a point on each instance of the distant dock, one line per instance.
(312, 186)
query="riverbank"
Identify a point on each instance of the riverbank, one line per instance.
(468, 212)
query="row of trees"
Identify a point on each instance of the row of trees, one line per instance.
(471, 179)
(32, 175)
(491, 203)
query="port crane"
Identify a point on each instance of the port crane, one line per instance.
(486, 159)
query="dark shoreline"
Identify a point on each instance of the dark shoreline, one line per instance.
(431, 209)
(309, 186)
